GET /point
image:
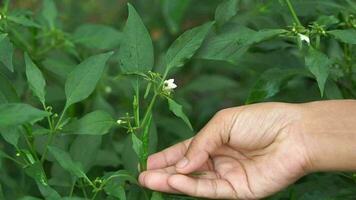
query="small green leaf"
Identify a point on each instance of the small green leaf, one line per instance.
(6, 52)
(35, 79)
(48, 192)
(346, 36)
(177, 109)
(14, 114)
(7, 91)
(136, 50)
(185, 46)
(23, 20)
(137, 145)
(94, 123)
(49, 13)
(66, 162)
(97, 36)
(173, 13)
(225, 11)
(319, 65)
(270, 83)
(82, 81)
(121, 175)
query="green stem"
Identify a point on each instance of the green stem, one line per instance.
(72, 189)
(292, 11)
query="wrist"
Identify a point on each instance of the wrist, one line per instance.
(329, 132)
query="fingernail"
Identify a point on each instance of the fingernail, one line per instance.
(182, 163)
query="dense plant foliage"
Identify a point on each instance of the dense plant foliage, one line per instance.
(88, 88)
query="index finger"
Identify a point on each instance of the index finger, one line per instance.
(169, 156)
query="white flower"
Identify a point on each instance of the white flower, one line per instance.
(108, 89)
(304, 38)
(169, 85)
(119, 121)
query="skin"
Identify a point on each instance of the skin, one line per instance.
(253, 151)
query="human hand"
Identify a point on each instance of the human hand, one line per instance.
(246, 152)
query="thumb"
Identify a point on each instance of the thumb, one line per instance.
(206, 142)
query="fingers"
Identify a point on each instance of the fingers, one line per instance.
(205, 143)
(158, 179)
(168, 157)
(199, 187)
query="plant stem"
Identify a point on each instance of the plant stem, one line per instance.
(292, 11)
(72, 189)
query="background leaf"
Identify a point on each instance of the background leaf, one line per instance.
(185, 46)
(35, 79)
(178, 111)
(6, 52)
(173, 12)
(7, 91)
(94, 123)
(49, 13)
(14, 114)
(82, 81)
(319, 65)
(136, 50)
(346, 36)
(225, 11)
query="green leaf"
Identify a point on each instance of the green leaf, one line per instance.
(35, 79)
(95, 123)
(270, 83)
(14, 114)
(346, 36)
(6, 52)
(66, 162)
(7, 91)
(11, 135)
(136, 50)
(88, 156)
(136, 145)
(49, 13)
(156, 196)
(36, 172)
(23, 20)
(221, 83)
(115, 183)
(319, 65)
(173, 13)
(82, 81)
(48, 192)
(231, 44)
(97, 36)
(225, 11)
(185, 46)
(177, 109)
(4, 155)
(114, 190)
(121, 175)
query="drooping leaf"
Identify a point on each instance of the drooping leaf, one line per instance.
(48, 192)
(7, 91)
(14, 114)
(88, 156)
(225, 11)
(82, 81)
(185, 46)
(6, 52)
(97, 36)
(94, 123)
(230, 45)
(11, 135)
(49, 13)
(35, 79)
(115, 190)
(173, 13)
(270, 84)
(136, 50)
(121, 175)
(23, 20)
(64, 159)
(177, 109)
(116, 181)
(319, 65)
(346, 36)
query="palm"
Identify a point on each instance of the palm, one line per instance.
(259, 157)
